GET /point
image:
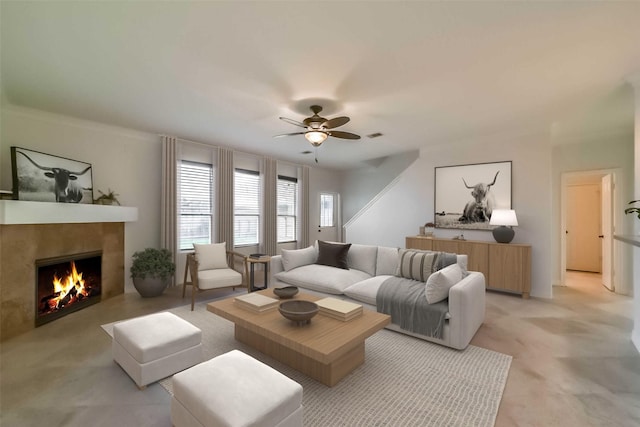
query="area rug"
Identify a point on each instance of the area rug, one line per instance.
(403, 382)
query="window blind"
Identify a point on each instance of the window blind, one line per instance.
(246, 207)
(196, 204)
(287, 189)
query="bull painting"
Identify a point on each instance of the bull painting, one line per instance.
(480, 207)
(43, 177)
(466, 195)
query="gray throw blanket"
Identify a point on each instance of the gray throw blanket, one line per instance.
(404, 300)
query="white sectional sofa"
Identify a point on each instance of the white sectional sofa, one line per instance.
(370, 266)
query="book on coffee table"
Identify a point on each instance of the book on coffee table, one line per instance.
(256, 302)
(339, 309)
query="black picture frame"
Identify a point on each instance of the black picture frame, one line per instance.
(45, 177)
(461, 199)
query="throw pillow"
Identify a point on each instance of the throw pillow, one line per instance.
(293, 258)
(211, 256)
(418, 265)
(439, 283)
(333, 254)
(387, 262)
(363, 258)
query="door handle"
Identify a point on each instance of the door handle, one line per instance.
(601, 236)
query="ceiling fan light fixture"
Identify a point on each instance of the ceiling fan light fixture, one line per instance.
(316, 137)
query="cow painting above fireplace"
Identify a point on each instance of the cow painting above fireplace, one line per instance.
(47, 178)
(67, 284)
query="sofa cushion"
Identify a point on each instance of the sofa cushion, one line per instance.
(439, 283)
(333, 254)
(387, 261)
(363, 258)
(211, 256)
(418, 265)
(366, 290)
(293, 258)
(322, 278)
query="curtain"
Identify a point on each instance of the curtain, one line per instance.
(168, 204)
(304, 208)
(225, 197)
(270, 206)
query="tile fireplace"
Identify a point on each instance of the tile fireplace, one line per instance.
(67, 284)
(43, 234)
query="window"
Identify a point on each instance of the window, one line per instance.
(327, 209)
(196, 204)
(246, 207)
(287, 189)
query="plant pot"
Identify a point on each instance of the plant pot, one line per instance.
(150, 286)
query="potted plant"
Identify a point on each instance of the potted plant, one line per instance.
(151, 271)
(634, 209)
(108, 198)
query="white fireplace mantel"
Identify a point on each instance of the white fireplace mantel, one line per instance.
(23, 212)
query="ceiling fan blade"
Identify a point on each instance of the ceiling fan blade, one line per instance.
(289, 134)
(343, 135)
(293, 122)
(335, 122)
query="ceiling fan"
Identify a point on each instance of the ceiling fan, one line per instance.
(318, 128)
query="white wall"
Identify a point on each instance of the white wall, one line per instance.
(126, 161)
(635, 335)
(361, 185)
(409, 204)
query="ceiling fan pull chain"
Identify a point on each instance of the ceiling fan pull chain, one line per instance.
(316, 155)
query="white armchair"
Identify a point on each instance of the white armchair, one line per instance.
(213, 267)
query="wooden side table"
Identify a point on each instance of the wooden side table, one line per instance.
(249, 266)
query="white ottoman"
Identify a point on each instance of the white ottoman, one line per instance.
(235, 390)
(156, 346)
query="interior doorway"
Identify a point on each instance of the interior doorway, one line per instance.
(588, 223)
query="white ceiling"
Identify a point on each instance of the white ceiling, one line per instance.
(421, 73)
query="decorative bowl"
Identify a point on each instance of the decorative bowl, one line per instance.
(286, 292)
(298, 311)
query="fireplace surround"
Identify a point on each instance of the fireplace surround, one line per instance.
(30, 231)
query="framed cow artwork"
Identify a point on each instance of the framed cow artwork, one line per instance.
(466, 195)
(47, 178)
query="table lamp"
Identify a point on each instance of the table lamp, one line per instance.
(505, 219)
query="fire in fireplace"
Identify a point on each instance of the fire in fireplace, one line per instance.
(67, 284)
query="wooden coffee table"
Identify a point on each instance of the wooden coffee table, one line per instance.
(326, 349)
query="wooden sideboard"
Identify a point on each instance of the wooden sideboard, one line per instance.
(506, 266)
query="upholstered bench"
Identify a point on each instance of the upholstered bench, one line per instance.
(235, 390)
(156, 346)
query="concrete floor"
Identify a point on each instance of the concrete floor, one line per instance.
(573, 363)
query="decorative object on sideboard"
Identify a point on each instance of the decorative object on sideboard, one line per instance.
(466, 195)
(429, 227)
(151, 271)
(108, 198)
(634, 210)
(505, 219)
(44, 177)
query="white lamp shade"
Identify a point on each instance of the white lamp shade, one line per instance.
(504, 217)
